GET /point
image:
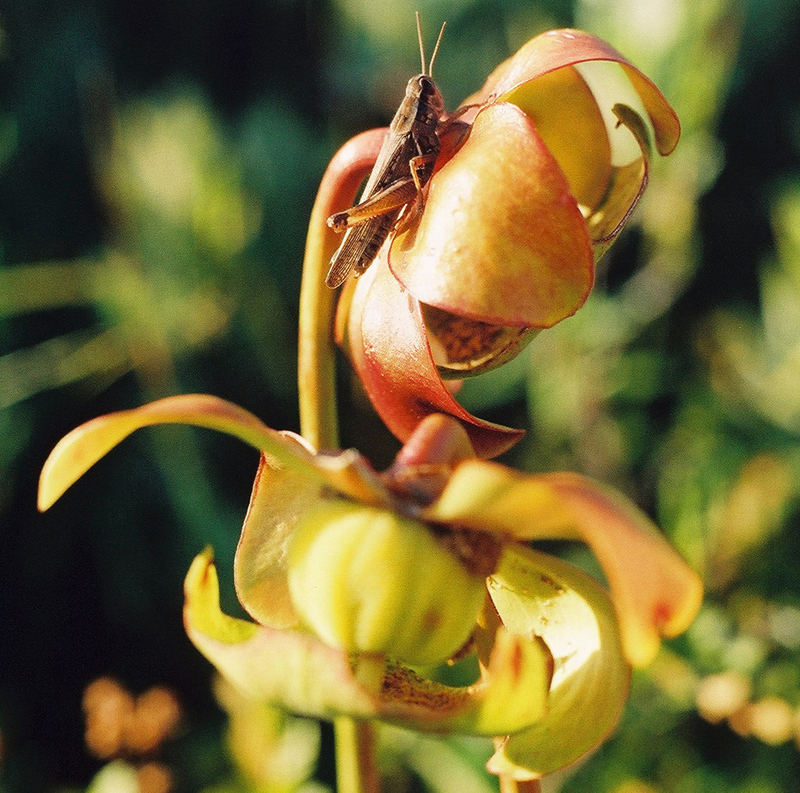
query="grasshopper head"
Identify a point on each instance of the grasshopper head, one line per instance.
(428, 94)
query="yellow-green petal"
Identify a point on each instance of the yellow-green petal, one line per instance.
(559, 49)
(605, 156)
(280, 497)
(538, 594)
(202, 608)
(284, 667)
(79, 450)
(553, 101)
(610, 86)
(654, 591)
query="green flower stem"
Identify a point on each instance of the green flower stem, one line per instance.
(355, 756)
(355, 742)
(316, 354)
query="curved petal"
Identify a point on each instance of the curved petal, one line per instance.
(605, 156)
(79, 450)
(653, 589)
(390, 352)
(539, 594)
(626, 186)
(557, 49)
(554, 102)
(438, 440)
(281, 666)
(279, 498)
(501, 239)
(296, 671)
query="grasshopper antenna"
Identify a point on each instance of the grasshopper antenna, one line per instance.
(421, 45)
(436, 49)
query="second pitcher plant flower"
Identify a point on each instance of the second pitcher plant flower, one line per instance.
(352, 576)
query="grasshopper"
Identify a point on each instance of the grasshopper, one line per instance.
(405, 164)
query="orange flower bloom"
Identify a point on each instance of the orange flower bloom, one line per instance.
(532, 186)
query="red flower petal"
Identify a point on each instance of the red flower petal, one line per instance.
(558, 48)
(392, 357)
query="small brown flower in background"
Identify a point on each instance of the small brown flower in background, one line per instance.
(120, 725)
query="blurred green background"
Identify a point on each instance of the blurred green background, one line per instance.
(158, 162)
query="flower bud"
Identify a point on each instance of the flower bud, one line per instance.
(372, 581)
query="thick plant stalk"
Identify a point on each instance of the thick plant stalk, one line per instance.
(316, 353)
(356, 771)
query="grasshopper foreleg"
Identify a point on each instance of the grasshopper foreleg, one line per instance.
(394, 196)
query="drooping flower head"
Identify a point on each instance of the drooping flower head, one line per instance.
(532, 186)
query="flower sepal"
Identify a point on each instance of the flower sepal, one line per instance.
(537, 594)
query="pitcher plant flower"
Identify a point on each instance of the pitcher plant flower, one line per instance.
(356, 581)
(537, 175)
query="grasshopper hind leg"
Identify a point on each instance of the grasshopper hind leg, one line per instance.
(359, 247)
(385, 201)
